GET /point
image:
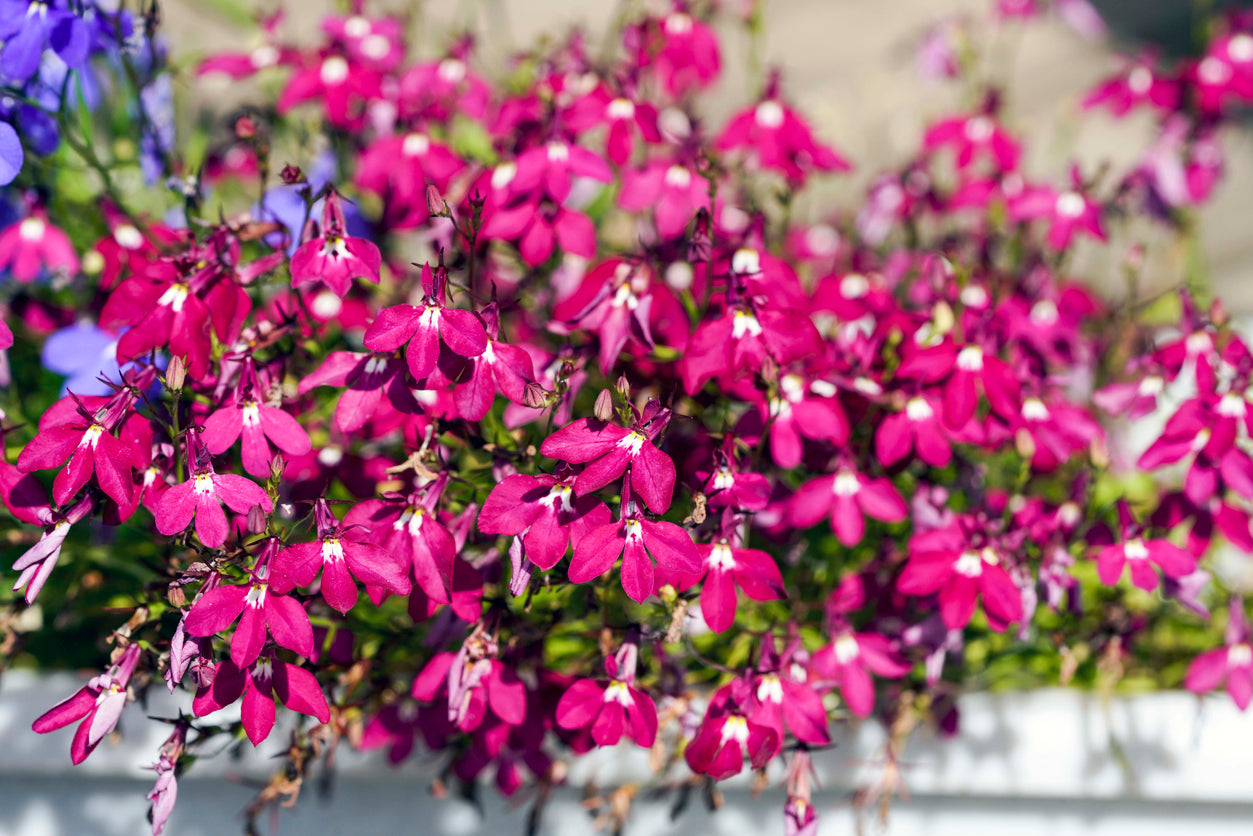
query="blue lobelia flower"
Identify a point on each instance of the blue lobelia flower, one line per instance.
(83, 353)
(28, 28)
(10, 154)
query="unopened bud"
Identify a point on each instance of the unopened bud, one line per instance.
(700, 245)
(256, 520)
(291, 174)
(1218, 313)
(604, 406)
(434, 202)
(278, 466)
(176, 596)
(770, 370)
(245, 128)
(567, 369)
(624, 387)
(175, 374)
(535, 396)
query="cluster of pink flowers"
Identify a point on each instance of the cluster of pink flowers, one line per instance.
(583, 454)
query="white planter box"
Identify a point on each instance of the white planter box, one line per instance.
(1049, 762)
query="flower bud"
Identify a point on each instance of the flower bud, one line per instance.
(603, 410)
(245, 128)
(291, 174)
(624, 387)
(535, 396)
(175, 595)
(175, 374)
(278, 465)
(700, 245)
(256, 520)
(434, 203)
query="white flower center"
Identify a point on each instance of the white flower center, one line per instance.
(979, 129)
(356, 27)
(620, 109)
(678, 177)
(1070, 204)
(1140, 80)
(334, 70)
(854, 286)
(735, 728)
(1135, 550)
(376, 47)
(846, 649)
(202, 484)
(1232, 406)
(558, 495)
(415, 145)
(1152, 385)
(969, 564)
(974, 296)
(632, 442)
(1240, 49)
(332, 550)
(744, 324)
(375, 365)
(721, 558)
(1239, 656)
(1033, 409)
(127, 237)
(619, 692)
(769, 114)
(746, 262)
(91, 436)
(262, 57)
(451, 70)
(970, 359)
(32, 229)
(251, 414)
(769, 689)
(1044, 312)
(624, 298)
(256, 596)
(503, 175)
(918, 410)
(1213, 71)
(558, 152)
(677, 24)
(846, 483)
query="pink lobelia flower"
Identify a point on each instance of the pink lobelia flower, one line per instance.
(726, 486)
(639, 542)
(845, 496)
(782, 697)
(401, 167)
(544, 511)
(800, 409)
(257, 607)
(550, 169)
(259, 423)
(538, 226)
(945, 561)
(609, 450)
(672, 191)
(499, 367)
(1136, 551)
(202, 497)
(335, 258)
(368, 379)
(266, 679)
(726, 736)
(624, 117)
(1138, 84)
(1233, 663)
(620, 309)
(422, 328)
(408, 527)
(683, 50)
(979, 134)
(86, 439)
(342, 87)
(849, 660)
(165, 791)
(740, 339)
(33, 245)
(98, 704)
(341, 555)
(1068, 211)
(779, 139)
(917, 426)
(36, 563)
(613, 708)
(724, 566)
(964, 367)
(474, 680)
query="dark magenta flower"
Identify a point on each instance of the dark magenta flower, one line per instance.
(202, 497)
(334, 257)
(260, 684)
(98, 704)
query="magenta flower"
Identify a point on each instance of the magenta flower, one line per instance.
(538, 226)
(612, 708)
(1139, 84)
(778, 138)
(851, 658)
(944, 561)
(544, 511)
(259, 609)
(259, 423)
(724, 566)
(334, 258)
(620, 310)
(1232, 663)
(639, 542)
(498, 367)
(36, 563)
(684, 52)
(672, 191)
(267, 679)
(1137, 552)
(740, 340)
(473, 680)
(86, 439)
(401, 167)
(165, 791)
(800, 410)
(845, 496)
(624, 117)
(1067, 212)
(726, 736)
(726, 486)
(367, 380)
(98, 704)
(782, 697)
(917, 426)
(609, 450)
(343, 556)
(202, 497)
(422, 328)
(408, 528)
(971, 136)
(32, 245)
(342, 87)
